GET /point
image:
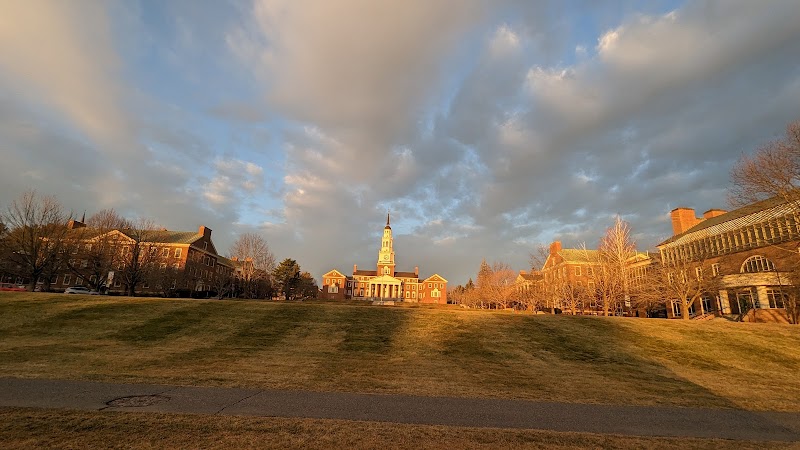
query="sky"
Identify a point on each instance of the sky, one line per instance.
(485, 127)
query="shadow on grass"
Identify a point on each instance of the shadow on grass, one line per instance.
(266, 328)
(370, 330)
(610, 354)
(169, 323)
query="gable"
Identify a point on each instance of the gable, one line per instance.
(437, 278)
(334, 274)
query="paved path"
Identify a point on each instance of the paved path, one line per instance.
(469, 412)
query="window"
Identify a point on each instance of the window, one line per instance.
(165, 252)
(205, 245)
(67, 279)
(698, 273)
(78, 281)
(577, 271)
(676, 309)
(776, 298)
(715, 269)
(757, 263)
(177, 253)
(589, 271)
(430, 285)
(706, 303)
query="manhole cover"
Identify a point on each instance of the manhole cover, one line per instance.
(137, 401)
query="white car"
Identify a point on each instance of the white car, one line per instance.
(80, 290)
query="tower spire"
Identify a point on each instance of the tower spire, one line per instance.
(387, 217)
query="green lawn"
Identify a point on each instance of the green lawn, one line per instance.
(424, 351)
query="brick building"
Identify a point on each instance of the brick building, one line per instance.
(385, 283)
(170, 261)
(750, 253)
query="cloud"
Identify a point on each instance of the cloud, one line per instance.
(74, 68)
(483, 126)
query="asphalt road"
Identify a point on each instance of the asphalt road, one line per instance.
(468, 412)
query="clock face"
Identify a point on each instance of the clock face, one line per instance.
(385, 257)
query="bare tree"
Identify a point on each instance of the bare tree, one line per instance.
(615, 248)
(774, 170)
(37, 228)
(138, 254)
(538, 256)
(95, 248)
(680, 282)
(255, 263)
(495, 285)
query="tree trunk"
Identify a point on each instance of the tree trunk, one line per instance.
(684, 310)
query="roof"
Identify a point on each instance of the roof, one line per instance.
(366, 272)
(528, 276)
(334, 273)
(747, 215)
(170, 237)
(579, 255)
(225, 261)
(436, 277)
(406, 275)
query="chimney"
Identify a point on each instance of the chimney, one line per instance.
(72, 224)
(713, 213)
(555, 247)
(683, 219)
(355, 268)
(416, 270)
(205, 231)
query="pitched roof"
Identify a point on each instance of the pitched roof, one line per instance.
(528, 276)
(366, 272)
(334, 273)
(747, 215)
(169, 236)
(436, 277)
(225, 261)
(406, 275)
(579, 255)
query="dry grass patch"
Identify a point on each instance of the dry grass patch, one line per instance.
(35, 429)
(422, 351)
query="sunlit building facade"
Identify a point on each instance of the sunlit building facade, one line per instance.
(385, 283)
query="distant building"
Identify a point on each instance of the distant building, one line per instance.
(176, 261)
(750, 252)
(385, 282)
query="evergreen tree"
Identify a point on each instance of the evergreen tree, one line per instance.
(287, 277)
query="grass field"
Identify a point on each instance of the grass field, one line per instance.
(424, 351)
(31, 428)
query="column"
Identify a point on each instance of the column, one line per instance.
(761, 294)
(724, 303)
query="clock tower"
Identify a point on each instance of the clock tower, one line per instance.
(386, 254)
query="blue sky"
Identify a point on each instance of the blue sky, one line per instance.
(486, 127)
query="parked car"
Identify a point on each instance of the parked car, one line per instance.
(11, 287)
(80, 290)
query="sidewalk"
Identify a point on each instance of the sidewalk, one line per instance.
(468, 412)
